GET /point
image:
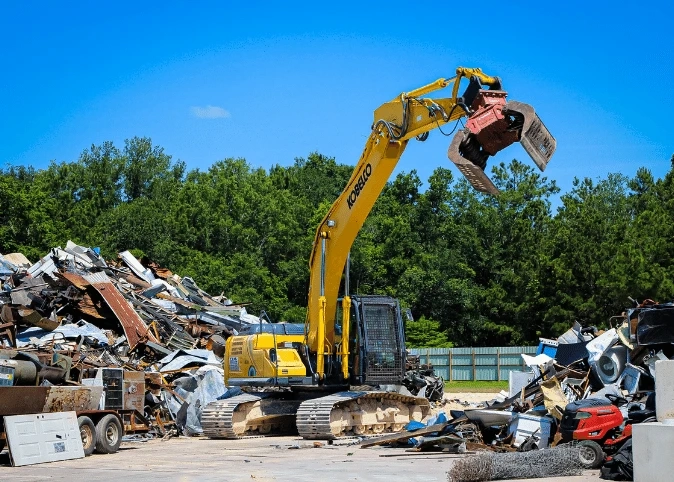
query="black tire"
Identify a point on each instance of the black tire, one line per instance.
(108, 435)
(88, 434)
(590, 454)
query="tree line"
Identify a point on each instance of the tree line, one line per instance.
(474, 269)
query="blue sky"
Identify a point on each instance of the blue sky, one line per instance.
(274, 81)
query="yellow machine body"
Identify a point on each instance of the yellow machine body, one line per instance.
(263, 359)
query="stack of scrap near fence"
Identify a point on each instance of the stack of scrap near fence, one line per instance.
(554, 389)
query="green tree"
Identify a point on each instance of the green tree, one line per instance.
(425, 333)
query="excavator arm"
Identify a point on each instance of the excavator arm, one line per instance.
(280, 355)
(492, 125)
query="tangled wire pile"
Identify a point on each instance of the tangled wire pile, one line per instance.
(555, 462)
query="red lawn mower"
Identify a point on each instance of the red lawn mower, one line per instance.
(599, 428)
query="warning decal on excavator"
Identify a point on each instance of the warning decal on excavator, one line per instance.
(234, 364)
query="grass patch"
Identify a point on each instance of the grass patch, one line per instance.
(478, 386)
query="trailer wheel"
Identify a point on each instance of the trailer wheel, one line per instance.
(88, 434)
(590, 454)
(108, 435)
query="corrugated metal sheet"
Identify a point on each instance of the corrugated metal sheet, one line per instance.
(134, 327)
(479, 363)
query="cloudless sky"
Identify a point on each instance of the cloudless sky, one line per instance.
(272, 81)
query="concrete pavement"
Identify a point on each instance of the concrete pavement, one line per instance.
(256, 459)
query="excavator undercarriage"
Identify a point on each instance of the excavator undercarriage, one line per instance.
(377, 343)
(337, 415)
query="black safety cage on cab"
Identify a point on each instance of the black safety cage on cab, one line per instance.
(380, 355)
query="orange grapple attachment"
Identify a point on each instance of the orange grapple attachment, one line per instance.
(494, 125)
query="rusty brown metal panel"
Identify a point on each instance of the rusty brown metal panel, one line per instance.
(134, 327)
(78, 281)
(25, 400)
(64, 399)
(160, 272)
(87, 306)
(22, 400)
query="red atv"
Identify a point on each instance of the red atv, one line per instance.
(599, 428)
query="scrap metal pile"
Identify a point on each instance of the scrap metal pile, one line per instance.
(573, 379)
(72, 314)
(421, 381)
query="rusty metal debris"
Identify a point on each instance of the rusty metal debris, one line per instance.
(81, 333)
(134, 327)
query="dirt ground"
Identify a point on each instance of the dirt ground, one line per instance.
(469, 400)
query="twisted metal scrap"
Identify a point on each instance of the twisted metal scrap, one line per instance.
(472, 469)
(556, 462)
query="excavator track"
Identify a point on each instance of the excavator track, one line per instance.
(346, 414)
(217, 419)
(249, 415)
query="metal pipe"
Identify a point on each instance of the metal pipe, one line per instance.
(346, 320)
(323, 242)
(428, 88)
(320, 337)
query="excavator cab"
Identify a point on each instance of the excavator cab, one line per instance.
(379, 342)
(492, 125)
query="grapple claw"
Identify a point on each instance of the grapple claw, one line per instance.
(494, 125)
(535, 138)
(473, 172)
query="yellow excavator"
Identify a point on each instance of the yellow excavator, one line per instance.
(303, 375)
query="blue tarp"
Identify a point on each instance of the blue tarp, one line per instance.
(413, 425)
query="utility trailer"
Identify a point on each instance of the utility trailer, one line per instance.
(108, 409)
